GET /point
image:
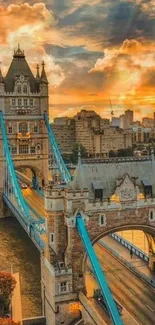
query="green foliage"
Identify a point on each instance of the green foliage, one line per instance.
(7, 285)
(74, 155)
(128, 152)
(8, 321)
(112, 154)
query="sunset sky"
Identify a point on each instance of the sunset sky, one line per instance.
(93, 49)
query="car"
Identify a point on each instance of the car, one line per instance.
(99, 298)
(24, 186)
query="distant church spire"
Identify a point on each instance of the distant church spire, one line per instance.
(43, 74)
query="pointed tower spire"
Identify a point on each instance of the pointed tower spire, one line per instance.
(38, 73)
(1, 76)
(18, 54)
(43, 74)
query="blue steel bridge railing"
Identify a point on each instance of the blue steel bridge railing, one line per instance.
(98, 272)
(32, 226)
(65, 174)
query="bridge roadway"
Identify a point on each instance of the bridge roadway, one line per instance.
(136, 296)
(36, 203)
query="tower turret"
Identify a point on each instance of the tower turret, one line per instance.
(2, 91)
(44, 89)
(43, 78)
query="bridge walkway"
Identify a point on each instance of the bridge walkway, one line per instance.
(135, 261)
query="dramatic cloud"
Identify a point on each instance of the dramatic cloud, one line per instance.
(30, 26)
(93, 49)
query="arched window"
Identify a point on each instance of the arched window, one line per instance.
(102, 220)
(25, 89)
(151, 215)
(23, 128)
(19, 89)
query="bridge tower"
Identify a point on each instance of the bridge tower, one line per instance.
(110, 196)
(23, 100)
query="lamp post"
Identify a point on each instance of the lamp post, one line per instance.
(132, 236)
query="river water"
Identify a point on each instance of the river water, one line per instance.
(17, 252)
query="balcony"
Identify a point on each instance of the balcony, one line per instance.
(23, 136)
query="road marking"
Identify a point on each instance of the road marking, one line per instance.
(116, 276)
(149, 308)
(132, 291)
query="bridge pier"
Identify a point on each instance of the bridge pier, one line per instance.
(5, 212)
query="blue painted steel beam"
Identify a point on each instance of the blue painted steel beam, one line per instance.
(65, 174)
(16, 187)
(99, 275)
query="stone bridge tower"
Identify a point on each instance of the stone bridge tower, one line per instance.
(111, 195)
(23, 100)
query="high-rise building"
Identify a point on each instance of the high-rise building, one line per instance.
(128, 119)
(64, 130)
(93, 132)
(154, 118)
(148, 122)
(115, 122)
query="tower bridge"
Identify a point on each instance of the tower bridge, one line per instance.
(102, 197)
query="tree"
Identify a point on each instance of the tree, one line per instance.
(8, 321)
(128, 152)
(7, 285)
(75, 150)
(112, 154)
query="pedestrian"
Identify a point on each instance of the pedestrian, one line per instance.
(131, 253)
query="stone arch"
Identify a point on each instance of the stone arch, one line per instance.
(81, 259)
(36, 174)
(146, 229)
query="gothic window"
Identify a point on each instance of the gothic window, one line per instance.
(63, 286)
(19, 102)
(25, 89)
(13, 102)
(51, 238)
(38, 149)
(19, 89)
(33, 149)
(23, 128)
(98, 194)
(36, 129)
(25, 102)
(10, 129)
(31, 102)
(14, 150)
(102, 219)
(151, 215)
(23, 149)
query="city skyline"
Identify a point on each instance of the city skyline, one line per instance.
(95, 51)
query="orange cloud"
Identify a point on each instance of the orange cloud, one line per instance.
(30, 26)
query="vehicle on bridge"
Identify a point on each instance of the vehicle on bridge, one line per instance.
(99, 297)
(24, 186)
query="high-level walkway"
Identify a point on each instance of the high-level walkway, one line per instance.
(135, 261)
